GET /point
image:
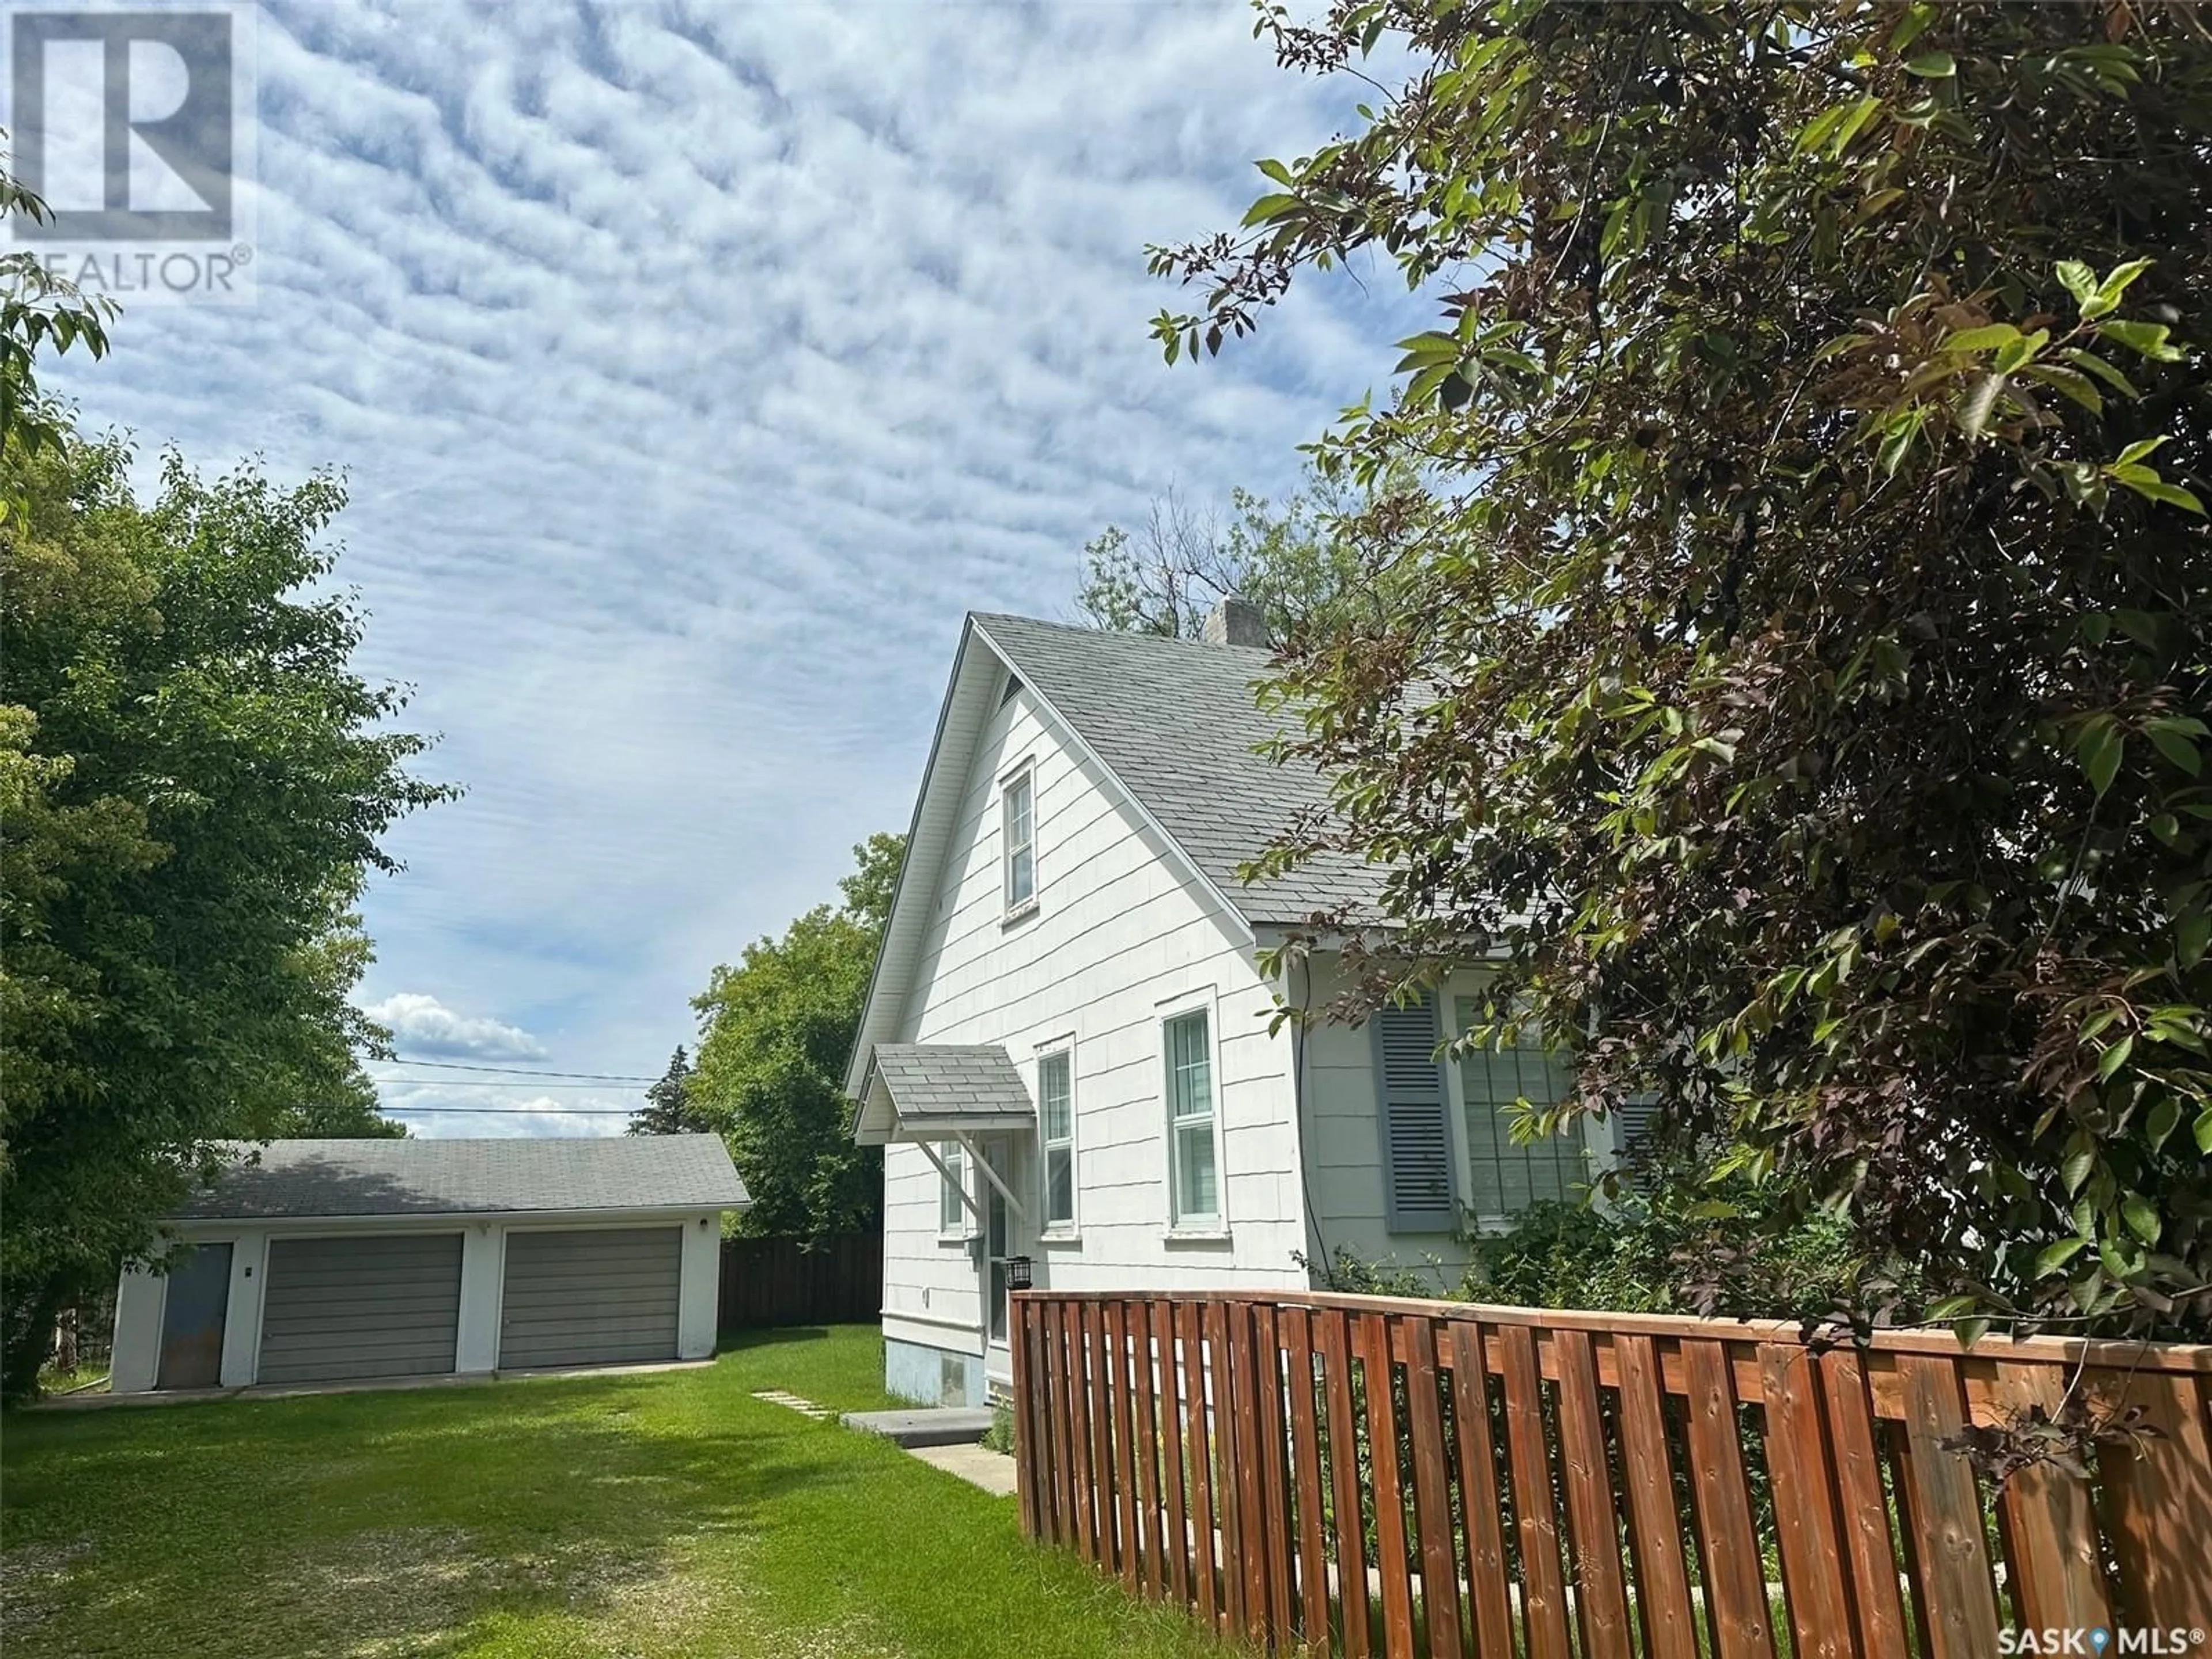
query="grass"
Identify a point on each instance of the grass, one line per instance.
(642, 1515)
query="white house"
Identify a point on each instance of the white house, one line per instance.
(329, 1260)
(1066, 1049)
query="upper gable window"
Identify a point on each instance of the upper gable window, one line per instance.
(1019, 839)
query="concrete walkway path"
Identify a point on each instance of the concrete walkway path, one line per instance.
(978, 1466)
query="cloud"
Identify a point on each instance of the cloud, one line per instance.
(693, 368)
(423, 1026)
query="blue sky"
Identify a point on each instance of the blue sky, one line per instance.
(694, 369)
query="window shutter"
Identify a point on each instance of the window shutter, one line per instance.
(1409, 1092)
(1633, 1120)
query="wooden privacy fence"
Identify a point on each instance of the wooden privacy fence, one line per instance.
(1366, 1475)
(784, 1281)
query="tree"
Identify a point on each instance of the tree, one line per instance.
(40, 311)
(1805, 699)
(776, 1034)
(195, 783)
(666, 1111)
(1291, 560)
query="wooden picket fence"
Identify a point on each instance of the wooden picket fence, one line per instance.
(1364, 1475)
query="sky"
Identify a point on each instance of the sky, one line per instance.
(693, 370)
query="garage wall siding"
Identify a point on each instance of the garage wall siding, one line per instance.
(356, 1307)
(590, 1297)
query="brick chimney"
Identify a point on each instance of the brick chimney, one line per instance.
(1237, 621)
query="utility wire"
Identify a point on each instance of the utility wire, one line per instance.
(516, 1111)
(518, 1071)
(485, 1083)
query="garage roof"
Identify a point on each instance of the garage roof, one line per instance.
(294, 1180)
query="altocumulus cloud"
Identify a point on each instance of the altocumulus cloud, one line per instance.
(694, 368)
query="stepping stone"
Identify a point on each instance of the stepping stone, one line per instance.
(793, 1403)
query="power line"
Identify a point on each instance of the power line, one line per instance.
(518, 1071)
(516, 1111)
(482, 1083)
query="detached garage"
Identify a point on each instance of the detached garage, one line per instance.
(342, 1261)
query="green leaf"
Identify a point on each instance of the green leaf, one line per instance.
(2164, 1118)
(2090, 363)
(2144, 339)
(2142, 1216)
(2191, 934)
(1971, 1331)
(2110, 290)
(2100, 749)
(1932, 66)
(2051, 1257)
(2080, 1159)
(1986, 337)
(2078, 387)
(2157, 489)
(2203, 1132)
(2176, 746)
(2081, 281)
(2141, 449)
(1854, 122)
(1270, 207)
(1974, 413)
(1822, 127)
(2115, 1057)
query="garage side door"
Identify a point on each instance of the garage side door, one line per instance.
(384, 1306)
(590, 1297)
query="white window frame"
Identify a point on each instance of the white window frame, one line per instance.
(959, 1229)
(1599, 1139)
(1022, 776)
(1214, 1227)
(1049, 1231)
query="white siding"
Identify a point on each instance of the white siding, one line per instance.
(1119, 934)
(1344, 1147)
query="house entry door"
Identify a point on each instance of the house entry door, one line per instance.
(999, 1242)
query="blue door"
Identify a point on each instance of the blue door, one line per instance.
(191, 1318)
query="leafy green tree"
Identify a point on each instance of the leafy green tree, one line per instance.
(775, 1033)
(1803, 689)
(195, 783)
(1290, 559)
(667, 1111)
(40, 311)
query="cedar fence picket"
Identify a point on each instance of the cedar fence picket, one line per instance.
(1366, 1475)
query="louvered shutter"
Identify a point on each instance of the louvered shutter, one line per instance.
(1409, 1091)
(1633, 1120)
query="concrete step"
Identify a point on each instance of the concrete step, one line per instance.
(934, 1425)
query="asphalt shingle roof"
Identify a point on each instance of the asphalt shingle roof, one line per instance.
(951, 1079)
(297, 1179)
(1176, 722)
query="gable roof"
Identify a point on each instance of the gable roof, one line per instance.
(1174, 723)
(936, 1090)
(296, 1180)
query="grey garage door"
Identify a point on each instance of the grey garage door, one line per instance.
(590, 1297)
(384, 1306)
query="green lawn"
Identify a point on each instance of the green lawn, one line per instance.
(634, 1515)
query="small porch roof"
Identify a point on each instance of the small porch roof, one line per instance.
(926, 1091)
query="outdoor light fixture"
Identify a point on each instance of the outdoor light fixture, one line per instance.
(1018, 1272)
